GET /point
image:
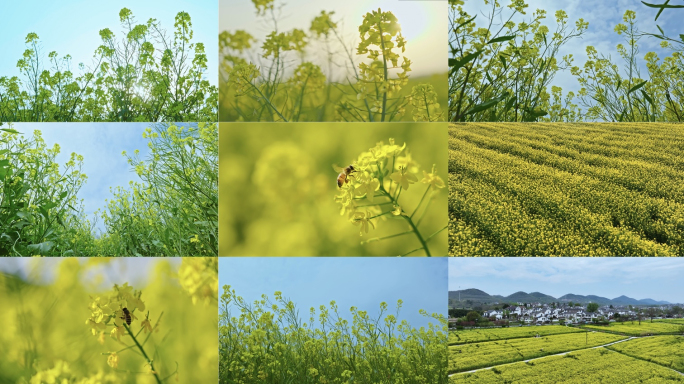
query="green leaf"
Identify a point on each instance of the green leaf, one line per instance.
(503, 61)
(49, 205)
(501, 39)
(486, 105)
(509, 104)
(458, 64)
(647, 97)
(63, 194)
(661, 6)
(660, 29)
(681, 36)
(43, 247)
(634, 88)
(9, 130)
(622, 116)
(532, 115)
(3, 151)
(464, 23)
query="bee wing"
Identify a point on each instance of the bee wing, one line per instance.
(337, 168)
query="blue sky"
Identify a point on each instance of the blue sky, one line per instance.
(426, 37)
(101, 145)
(134, 270)
(602, 16)
(72, 27)
(351, 281)
(638, 278)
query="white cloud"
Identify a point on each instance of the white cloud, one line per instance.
(659, 278)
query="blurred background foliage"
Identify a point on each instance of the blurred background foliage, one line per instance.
(316, 73)
(277, 188)
(45, 326)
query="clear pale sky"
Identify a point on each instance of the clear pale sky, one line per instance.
(635, 277)
(72, 27)
(602, 16)
(426, 37)
(363, 282)
(134, 270)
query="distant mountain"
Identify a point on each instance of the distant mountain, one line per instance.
(538, 297)
(473, 294)
(523, 297)
(652, 302)
(624, 300)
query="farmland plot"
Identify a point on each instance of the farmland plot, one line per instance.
(590, 366)
(667, 351)
(566, 190)
(636, 329)
(490, 334)
(472, 356)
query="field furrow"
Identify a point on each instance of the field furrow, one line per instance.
(667, 351)
(518, 189)
(589, 366)
(472, 356)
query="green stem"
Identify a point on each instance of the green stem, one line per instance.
(414, 228)
(435, 234)
(386, 237)
(142, 350)
(384, 62)
(408, 253)
(382, 214)
(267, 100)
(418, 235)
(421, 201)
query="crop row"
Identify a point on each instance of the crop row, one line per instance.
(655, 174)
(589, 366)
(503, 220)
(583, 198)
(491, 334)
(472, 356)
(646, 328)
(667, 351)
(671, 321)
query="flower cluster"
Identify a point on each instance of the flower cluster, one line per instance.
(425, 105)
(114, 309)
(371, 89)
(268, 342)
(61, 373)
(199, 277)
(380, 35)
(377, 180)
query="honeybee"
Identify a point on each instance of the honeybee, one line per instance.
(344, 175)
(126, 316)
